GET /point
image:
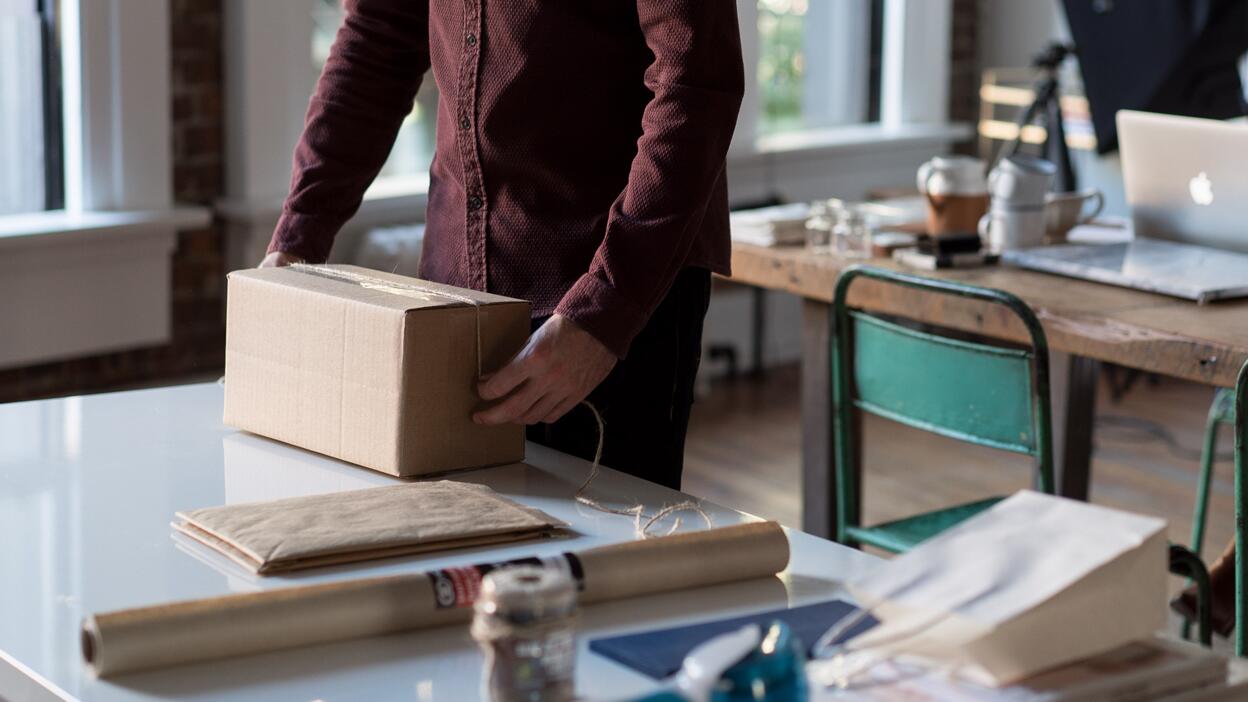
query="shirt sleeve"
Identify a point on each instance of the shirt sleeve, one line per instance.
(697, 81)
(368, 86)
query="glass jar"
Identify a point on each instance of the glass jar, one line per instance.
(524, 622)
(851, 235)
(819, 225)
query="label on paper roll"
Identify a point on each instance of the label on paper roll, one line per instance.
(460, 587)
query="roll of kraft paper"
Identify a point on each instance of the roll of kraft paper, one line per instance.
(232, 625)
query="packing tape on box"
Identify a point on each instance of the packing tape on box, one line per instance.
(394, 287)
(231, 625)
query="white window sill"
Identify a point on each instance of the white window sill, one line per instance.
(850, 139)
(100, 281)
(402, 199)
(60, 227)
(391, 200)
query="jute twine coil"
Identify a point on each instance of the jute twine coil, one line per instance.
(637, 512)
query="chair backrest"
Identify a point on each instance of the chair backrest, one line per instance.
(976, 392)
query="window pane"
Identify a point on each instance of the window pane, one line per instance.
(21, 108)
(814, 66)
(413, 149)
(781, 64)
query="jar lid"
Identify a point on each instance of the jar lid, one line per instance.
(523, 594)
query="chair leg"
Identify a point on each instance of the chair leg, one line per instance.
(1185, 563)
(1208, 455)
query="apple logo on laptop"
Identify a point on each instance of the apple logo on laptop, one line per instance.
(1202, 189)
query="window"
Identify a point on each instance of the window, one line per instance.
(413, 148)
(30, 156)
(818, 66)
(818, 63)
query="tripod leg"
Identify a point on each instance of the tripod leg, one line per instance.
(1055, 148)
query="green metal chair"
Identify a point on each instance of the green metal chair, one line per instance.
(1227, 409)
(980, 393)
(1241, 510)
(1221, 412)
(983, 394)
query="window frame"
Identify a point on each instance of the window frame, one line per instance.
(119, 221)
(913, 85)
(53, 129)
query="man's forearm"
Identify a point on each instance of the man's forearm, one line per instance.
(367, 87)
(677, 175)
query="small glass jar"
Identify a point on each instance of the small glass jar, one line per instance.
(524, 621)
(851, 236)
(819, 225)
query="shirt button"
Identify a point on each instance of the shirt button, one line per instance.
(465, 123)
(474, 203)
(472, 40)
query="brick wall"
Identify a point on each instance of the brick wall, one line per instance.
(198, 320)
(964, 68)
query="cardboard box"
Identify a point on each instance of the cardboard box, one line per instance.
(372, 368)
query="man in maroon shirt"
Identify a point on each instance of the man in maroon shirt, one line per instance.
(579, 165)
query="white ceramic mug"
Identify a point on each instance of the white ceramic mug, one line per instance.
(1065, 211)
(952, 175)
(1007, 230)
(956, 192)
(1020, 181)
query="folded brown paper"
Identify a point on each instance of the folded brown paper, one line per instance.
(233, 625)
(343, 527)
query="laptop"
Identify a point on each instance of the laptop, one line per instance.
(1187, 188)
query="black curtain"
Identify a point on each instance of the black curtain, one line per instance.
(1174, 56)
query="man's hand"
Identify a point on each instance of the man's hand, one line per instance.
(277, 259)
(556, 369)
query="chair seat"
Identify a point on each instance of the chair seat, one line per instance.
(903, 534)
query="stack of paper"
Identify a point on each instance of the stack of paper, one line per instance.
(771, 226)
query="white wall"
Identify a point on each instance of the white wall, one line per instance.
(1012, 31)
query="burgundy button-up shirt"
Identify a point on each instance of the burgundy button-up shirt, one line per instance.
(580, 145)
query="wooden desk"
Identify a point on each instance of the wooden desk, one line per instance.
(1085, 322)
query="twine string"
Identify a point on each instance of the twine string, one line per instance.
(637, 511)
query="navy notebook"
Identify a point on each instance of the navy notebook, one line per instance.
(659, 654)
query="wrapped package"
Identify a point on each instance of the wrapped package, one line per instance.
(357, 525)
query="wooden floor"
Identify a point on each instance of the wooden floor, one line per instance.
(743, 451)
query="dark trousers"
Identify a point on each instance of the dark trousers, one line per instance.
(646, 399)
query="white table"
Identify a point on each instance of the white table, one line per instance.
(89, 485)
